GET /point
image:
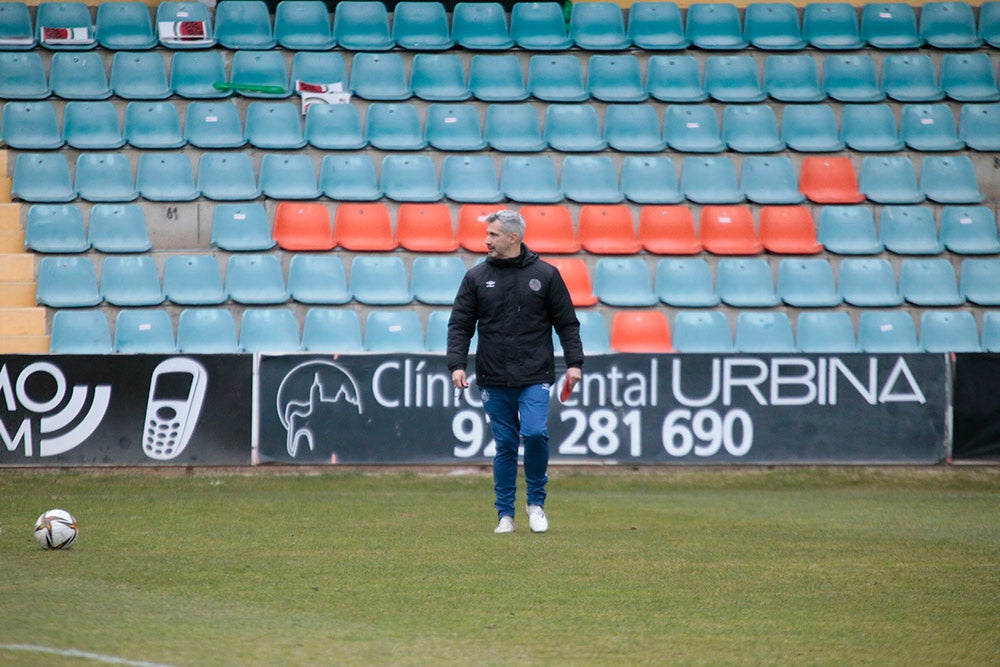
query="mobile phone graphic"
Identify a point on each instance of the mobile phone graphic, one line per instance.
(176, 394)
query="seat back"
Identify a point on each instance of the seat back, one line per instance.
(193, 280)
(130, 280)
(104, 177)
(334, 127)
(184, 25)
(363, 228)
(831, 26)
(410, 178)
(870, 128)
(650, 180)
(702, 331)
(349, 178)
(332, 330)
(685, 282)
(497, 78)
(675, 78)
(288, 176)
(80, 332)
(42, 177)
(139, 76)
(421, 26)
(470, 178)
(206, 331)
(513, 128)
(92, 126)
(393, 331)
(969, 77)
(480, 26)
(590, 179)
(303, 226)
(829, 180)
(764, 332)
(227, 176)
(793, 78)
(16, 29)
(118, 228)
(889, 179)
(318, 279)
(576, 275)
(715, 26)
(30, 126)
(950, 179)
(166, 177)
(909, 230)
(530, 180)
(471, 232)
(259, 73)
(78, 76)
(303, 25)
(848, 230)
(436, 278)
(67, 282)
(852, 78)
(241, 227)
(980, 281)
(273, 330)
(911, 78)
(788, 230)
(869, 283)
(643, 331)
(770, 180)
(733, 79)
(255, 279)
(362, 26)
(193, 74)
(728, 230)
(668, 230)
(55, 228)
(825, 332)
(154, 125)
(887, 331)
(274, 125)
(24, 76)
(394, 127)
(807, 283)
(556, 78)
(633, 128)
(144, 331)
(710, 180)
(380, 77)
(969, 230)
(425, 228)
(539, 26)
(623, 282)
(773, 26)
(243, 25)
(573, 128)
(598, 26)
(949, 331)
(439, 77)
(751, 129)
(608, 230)
(890, 25)
(549, 228)
(615, 78)
(656, 26)
(929, 127)
(692, 128)
(929, 282)
(745, 282)
(379, 280)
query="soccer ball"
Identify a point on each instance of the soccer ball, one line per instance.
(55, 529)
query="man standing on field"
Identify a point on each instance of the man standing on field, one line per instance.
(515, 299)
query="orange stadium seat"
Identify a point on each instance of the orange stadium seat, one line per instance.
(608, 229)
(549, 229)
(640, 331)
(788, 230)
(829, 180)
(425, 228)
(471, 233)
(363, 227)
(668, 230)
(303, 226)
(577, 278)
(729, 230)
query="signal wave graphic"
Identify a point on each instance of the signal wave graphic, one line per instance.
(83, 429)
(307, 394)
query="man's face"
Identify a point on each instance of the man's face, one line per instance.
(500, 245)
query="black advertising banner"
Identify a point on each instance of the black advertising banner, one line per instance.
(629, 409)
(977, 407)
(126, 410)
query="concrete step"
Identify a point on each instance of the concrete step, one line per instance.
(10, 217)
(24, 344)
(18, 294)
(22, 321)
(11, 241)
(17, 267)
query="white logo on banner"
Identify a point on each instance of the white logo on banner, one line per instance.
(308, 389)
(176, 394)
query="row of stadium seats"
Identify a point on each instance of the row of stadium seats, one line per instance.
(424, 26)
(376, 279)
(213, 330)
(108, 177)
(508, 128)
(735, 78)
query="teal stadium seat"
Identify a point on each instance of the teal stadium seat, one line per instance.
(16, 28)
(497, 78)
(929, 282)
(92, 126)
(470, 179)
(979, 281)
(144, 331)
(410, 178)
(615, 78)
(379, 280)
(751, 128)
(949, 331)
(269, 330)
(362, 26)
(439, 77)
(852, 78)
(773, 26)
(890, 25)
(104, 177)
(909, 230)
(435, 279)
(710, 180)
(24, 76)
(227, 176)
(598, 26)
(421, 26)
(911, 78)
(453, 127)
(334, 127)
(745, 282)
(193, 280)
(656, 26)
(770, 179)
(30, 126)
(949, 25)
(480, 26)
(590, 179)
(848, 230)
(274, 126)
(989, 23)
(206, 331)
(303, 25)
(67, 282)
(130, 281)
(793, 78)
(573, 128)
(255, 279)
(633, 128)
(380, 77)
(593, 333)
(675, 78)
(715, 26)
(950, 179)
(733, 79)
(349, 178)
(259, 74)
(118, 228)
(929, 128)
(513, 128)
(887, 331)
(243, 227)
(539, 26)
(193, 22)
(139, 76)
(825, 331)
(78, 76)
(55, 229)
(869, 283)
(692, 128)
(398, 331)
(332, 330)
(807, 283)
(650, 179)
(166, 177)
(125, 26)
(80, 332)
(530, 180)
(193, 75)
(990, 337)
(889, 179)
(685, 282)
(764, 332)
(811, 128)
(969, 77)
(42, 177)
(288, 176)
(318, 279)
(243, 24)
(72, 15)
(394, 127)
(213, 124)
(969, 230)
(702, 331)
(870, 128)
(623, 282)
(556, 78)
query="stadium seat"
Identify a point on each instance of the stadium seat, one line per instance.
(118, 228)
(868, 283)
(615, 78)
(751, 128)
(394, 127)
(593, 333)
(685, 282)
(436, 278)
(274, 125)
(728, 230)
(78, 76)
(213, 125)
(303, 226)
(911, 78)
(139, 76)
(497, 78)
(598, 26)
(539, 26)
(770, 180)
(829, 180)
(675, 78)
(363, 228)
(807, 283)
(243, 25)
(67, 282)
(969, 230)
(556, 78)
(318, 279)
(949, 25)
(16, 29)
(104, 177)
(255, 279)
(193, 280)
(271, 330)
(288, 176)
(950, 179)
(513, 128)
(436, 340)
(331, 330)
(733, 79)
(322, 68)
(439, 77)
(380, 77)
(549, 229)
(144, 331)
(890, 25)
(870, 128)
(410, 178)
(379, 280)
(92, 126)
(668, 230)
(969, 77)
(42, 177)
(650, 180)
(929, 282)
(811, 128)
(80, 332)
(425, 228)
(573, 128)
(166, 177)
(641, 331)
(470, 178)
(349, 178)
(702, 331)
(825, 332)
(576, 275)
(656, 26)
(421, 26)
(397, 331)
(715, 26)
(334, 127)
(852, 78)
(55, 229)
(454, 127)
(471, 232)
(227, 176)
(259, 74)
(989, 23)
(929, 127)
(193, 74)
(530, 180)
(909, 230)
(889, 180)
(633, 128)
(623, 282)
(773, 26)
(949, 331)
(745, 282)
(848, 230)
(362, 26)
(480, 26)
(24, 76)
(793, 78)
(206, 331)
(979, 281)
(184, 17)
(990, 338)
(710, 180)
(30, 126)
(241, 227)
(130, 280)
(693, 128)
(73, 15)
(764, 332)
(788, 230)
(887, 331)
(303, 25)
(590, 179)
(607, 230)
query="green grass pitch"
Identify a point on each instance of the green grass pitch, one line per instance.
(805, 566)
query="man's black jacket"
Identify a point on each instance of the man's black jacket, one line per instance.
(516, 303)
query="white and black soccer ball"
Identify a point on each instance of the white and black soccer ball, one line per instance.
(55, 529)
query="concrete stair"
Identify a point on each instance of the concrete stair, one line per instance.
(22, 323)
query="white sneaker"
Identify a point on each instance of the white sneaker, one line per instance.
(506, 525)
(536, 519)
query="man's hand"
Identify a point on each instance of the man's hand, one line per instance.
(458, 379)
(573, 375)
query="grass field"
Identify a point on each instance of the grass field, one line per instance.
(678, 566)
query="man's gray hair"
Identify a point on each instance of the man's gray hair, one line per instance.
(510, 221)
